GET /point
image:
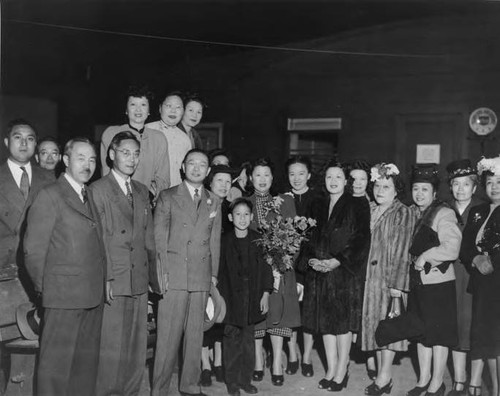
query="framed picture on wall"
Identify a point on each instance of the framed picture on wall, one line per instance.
(428, 153)
(211, 134)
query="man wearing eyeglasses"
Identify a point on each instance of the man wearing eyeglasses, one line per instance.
(127, 226)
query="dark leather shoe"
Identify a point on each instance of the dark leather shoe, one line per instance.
(418, 390)
(292, 367)
(439, 392)
(277, 380)
(324, 383)
(258, 375)
(375, 390)
(250, 389)
(219, 373)
(192, 394)
(307, 369)
(206, 378)
(336, 387)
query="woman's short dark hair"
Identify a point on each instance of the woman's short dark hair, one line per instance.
(264, 161)
(357, 165)
(299, 159)
(194, 97)
(216, 152)
(174, 93)
(140, 91)
(484, 177)
(399, 185)
(333, 163)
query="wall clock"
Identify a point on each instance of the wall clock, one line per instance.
(483, 121)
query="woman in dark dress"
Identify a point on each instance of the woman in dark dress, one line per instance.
(480, 252)
(299, 174)
(334, 260)
(284, 313)
(435, 247)
(463, 182)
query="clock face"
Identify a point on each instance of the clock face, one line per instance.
(483, 121)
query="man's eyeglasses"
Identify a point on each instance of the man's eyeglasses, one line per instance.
(128, 153)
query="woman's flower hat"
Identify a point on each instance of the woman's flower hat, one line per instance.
(383, 170)
(491, 165)
(459, 168)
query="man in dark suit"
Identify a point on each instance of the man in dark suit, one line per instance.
(187, 235)
(65, 258)
(19, 184)
(127, 227)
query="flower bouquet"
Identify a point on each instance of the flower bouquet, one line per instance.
(282, 237)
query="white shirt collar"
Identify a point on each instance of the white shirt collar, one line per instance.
(76, 186)
(17, 172)
(191, 189)
(121, 181)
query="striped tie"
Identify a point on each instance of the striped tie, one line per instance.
(25, 183)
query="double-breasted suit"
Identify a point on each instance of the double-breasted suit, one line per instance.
(129, 243)
(13, 209)
(188, 249)
(65, 258)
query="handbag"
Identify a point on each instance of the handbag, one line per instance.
(399, 324)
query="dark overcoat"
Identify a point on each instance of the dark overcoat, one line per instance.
(234, 287)
(333, 300)
(485, 328)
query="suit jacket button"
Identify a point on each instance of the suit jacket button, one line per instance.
(133, 265)
(374, 262)
(189, 242)
(123, 231)
(131, 249)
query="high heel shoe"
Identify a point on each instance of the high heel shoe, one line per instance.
(277, 380)
(372, 374)
(418, 390)
(476, 390)
(439, 392)
(307, 369)
(292, 367)
(375, 390)
(336, 387)
(455, 392)
(324, 383)
(258, 375)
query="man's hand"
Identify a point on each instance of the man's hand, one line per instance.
(214, 281)
(109, 293)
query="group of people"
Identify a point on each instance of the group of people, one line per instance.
(169, 218)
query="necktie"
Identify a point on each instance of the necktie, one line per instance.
(196, 198)
(85, 198)
(130, 198)
(25, 183)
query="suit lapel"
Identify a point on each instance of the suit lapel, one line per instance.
(120, 198)
(204, 207)
(140, 207)
(72, 198)
(11, 191)
(183, 198)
